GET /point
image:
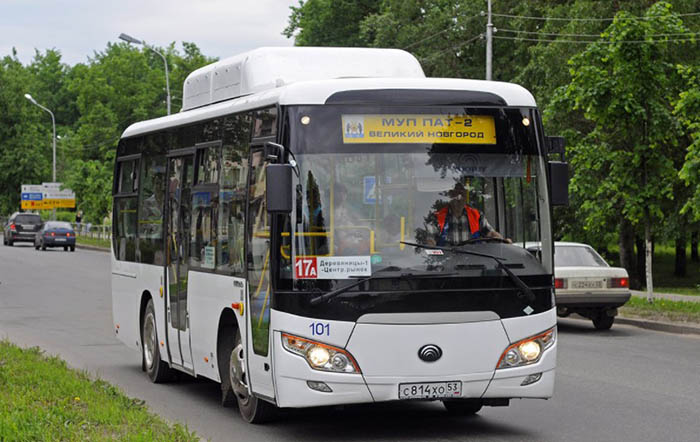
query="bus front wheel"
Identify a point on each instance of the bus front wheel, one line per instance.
(235, 383)
(156, 368)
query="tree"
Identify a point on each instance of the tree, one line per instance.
(25, 139)
(329, 22)
(622, 87)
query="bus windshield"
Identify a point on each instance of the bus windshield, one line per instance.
(358, 203)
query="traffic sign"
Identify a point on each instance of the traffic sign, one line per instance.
(46, 196)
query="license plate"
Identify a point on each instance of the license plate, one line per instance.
(587, 284)
(430, 390)
(60, 239)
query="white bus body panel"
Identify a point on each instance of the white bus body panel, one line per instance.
(208, 294)
(271, 67)
(317, 92)
(129, 282)
(291, 371)
(388, 356)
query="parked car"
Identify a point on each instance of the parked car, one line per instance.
(21, 227)
(585, 284)
(55, 234)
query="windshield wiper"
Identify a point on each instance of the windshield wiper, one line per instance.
(376, 275)
(485, 239)
(513, 277)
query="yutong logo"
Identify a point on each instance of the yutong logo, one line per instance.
(430, 353)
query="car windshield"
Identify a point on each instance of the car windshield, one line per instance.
(28, 219)
(577, 256)
(59, 225)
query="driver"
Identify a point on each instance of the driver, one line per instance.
(457, 221)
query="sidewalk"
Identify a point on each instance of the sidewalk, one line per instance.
(669, 296)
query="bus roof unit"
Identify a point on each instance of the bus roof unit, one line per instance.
(269, 68)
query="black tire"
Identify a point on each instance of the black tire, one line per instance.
(234, 382)
(603, 321)
(36, 246)
(462, 407)
(225, 347)
(158, 370)
(65, 248)
(43, 246)
(10, 243)
(72, 248)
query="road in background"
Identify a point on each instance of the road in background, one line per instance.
(626, 384)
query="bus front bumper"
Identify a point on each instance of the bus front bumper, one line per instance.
(293, 376)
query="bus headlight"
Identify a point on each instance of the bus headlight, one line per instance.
(528, 350)
(320, 356)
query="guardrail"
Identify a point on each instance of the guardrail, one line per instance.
(88, 230)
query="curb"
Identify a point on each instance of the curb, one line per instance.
(667, 327)
(95, 248)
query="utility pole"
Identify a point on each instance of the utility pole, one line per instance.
(489, 44)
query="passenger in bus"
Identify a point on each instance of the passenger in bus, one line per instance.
(350, 237)
(457, 221)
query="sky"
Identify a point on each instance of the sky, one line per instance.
(79, 28)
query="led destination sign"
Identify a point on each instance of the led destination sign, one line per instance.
(419, 128)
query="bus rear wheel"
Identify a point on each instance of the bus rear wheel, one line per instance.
(462, 407)
(235, 383)
(157, 369)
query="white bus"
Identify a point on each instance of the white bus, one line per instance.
(323, 226)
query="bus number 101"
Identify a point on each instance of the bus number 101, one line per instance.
(320, 329)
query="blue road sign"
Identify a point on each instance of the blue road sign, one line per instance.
(32, 196)
(370, 189)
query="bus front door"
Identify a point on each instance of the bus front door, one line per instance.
(259, 287)
(180, 180)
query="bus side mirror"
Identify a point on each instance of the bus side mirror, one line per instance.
(556, 145)
(278, 188)
(559, 183)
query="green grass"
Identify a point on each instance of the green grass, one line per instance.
(662, 309)
(42, 399)
(105, 243)
(664, 280)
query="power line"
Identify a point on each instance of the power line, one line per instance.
(562, 34)
(525, 17)
(471, 40)
(439, 32)
(595, 41)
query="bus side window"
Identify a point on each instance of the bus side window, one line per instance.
(125, 229)
(125, 207)
(265, 123)
(230, 244)
(205, 208)
(152, 200)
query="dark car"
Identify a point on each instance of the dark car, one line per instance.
(55, 234)
(21, 227)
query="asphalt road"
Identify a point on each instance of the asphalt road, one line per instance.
(626, 384)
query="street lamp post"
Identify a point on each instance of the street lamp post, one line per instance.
(53, 123)
(130, 39)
